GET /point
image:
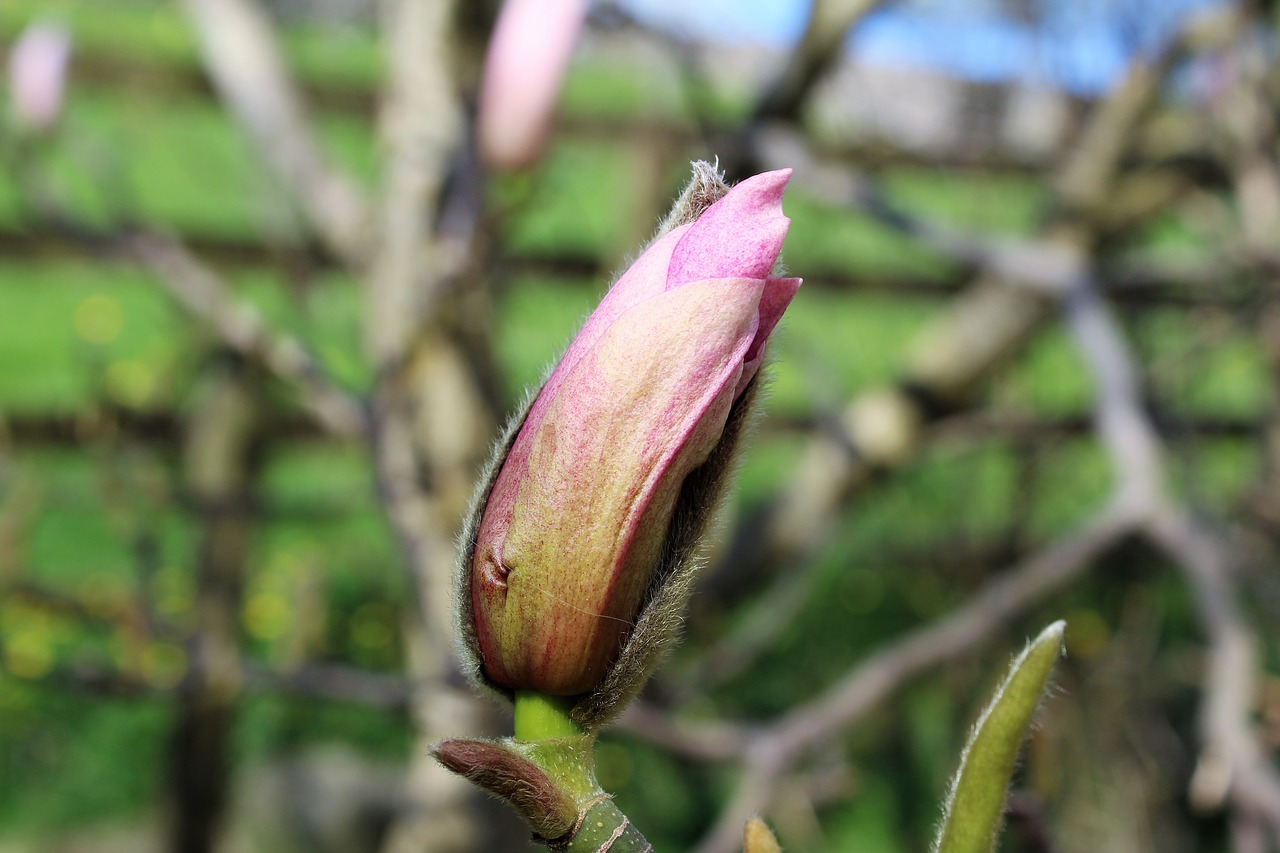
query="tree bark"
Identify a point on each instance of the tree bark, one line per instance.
(219, 468)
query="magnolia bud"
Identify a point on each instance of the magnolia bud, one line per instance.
(581, 547)
(37, 75)
(528, 54)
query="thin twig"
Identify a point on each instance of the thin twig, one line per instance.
(1233, 764)
(240, 326)
(242, 55)
(771, 751)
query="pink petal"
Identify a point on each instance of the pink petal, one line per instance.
(778, 293)
(641, 410)
(645, 279)
(738, 236)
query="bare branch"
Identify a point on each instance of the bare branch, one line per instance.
(242, 55)
(829, 25)
(427, 415)
(208, 298)
(334, 683)
(1122, 425)
(772, 751)
(420, 125)
(1233, 763)
(1007, 304)
(1040, 263)
(717, 740)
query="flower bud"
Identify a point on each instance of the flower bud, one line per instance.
(528, 54)
(578, 562)
(37, 75)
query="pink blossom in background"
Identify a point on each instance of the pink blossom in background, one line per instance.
(528, 54)
(37, 74)
(575, 522)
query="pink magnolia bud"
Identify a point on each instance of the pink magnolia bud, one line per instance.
(577, 527)
(530, 49)
(37, 74)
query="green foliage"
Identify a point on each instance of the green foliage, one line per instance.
(963, 198)
(282, 724)
(869, 824)
(525, 349)
(157, 32)
(94, 331)
(831, 344)
(668, 798)
(582, 217)
(64, 761)
(836, 238)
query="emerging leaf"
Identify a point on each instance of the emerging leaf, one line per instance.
(974, 812)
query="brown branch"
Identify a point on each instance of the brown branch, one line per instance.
(1234, 765)
(829, 24)
(242, 55)
(420, 125)
(1042, 263)
(771, 752)
(125, 613)
(1138, 279)
(242, 328)
(717, 740)
(334, 683)
(219, 470)
(1007, 304)
(428, 415)
(326, 682)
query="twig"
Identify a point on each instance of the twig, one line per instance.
(1043, 264)
(1233, 764)
(208, 298)
(334, 683)
(425, 409)
(219, 471)
(828, 27)
(771, 751)
(110, 613)
(717, 740)
(420, 125)
(242, 55)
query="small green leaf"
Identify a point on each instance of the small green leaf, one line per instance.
(974, 811)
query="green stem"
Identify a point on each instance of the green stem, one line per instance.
(607, 830)
(543, 717)
(547, 772)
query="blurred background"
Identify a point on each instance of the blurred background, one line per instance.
(272, 272)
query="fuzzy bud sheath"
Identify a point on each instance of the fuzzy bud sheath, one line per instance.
(582, 543)
(502, 770)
